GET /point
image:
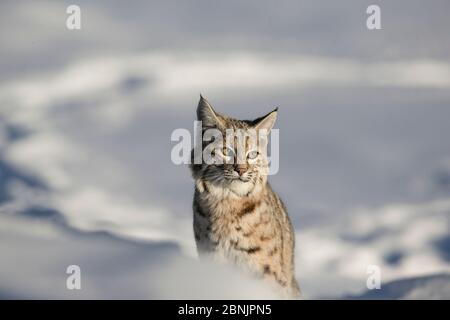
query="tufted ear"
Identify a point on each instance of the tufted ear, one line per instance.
(206, 114)
(266, 122)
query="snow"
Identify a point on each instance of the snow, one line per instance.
(85, 170)
(436, 287)
(37, 252)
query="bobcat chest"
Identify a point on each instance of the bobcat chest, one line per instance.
(229, 229)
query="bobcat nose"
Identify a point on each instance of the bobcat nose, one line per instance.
(240, 169)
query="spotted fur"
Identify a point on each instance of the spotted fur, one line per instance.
(239, 219)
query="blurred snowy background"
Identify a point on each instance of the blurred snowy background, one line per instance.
(86, 118)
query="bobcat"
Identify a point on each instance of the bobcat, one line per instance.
(238, 218)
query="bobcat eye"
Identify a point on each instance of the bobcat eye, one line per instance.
(228, 153)
(252, 155)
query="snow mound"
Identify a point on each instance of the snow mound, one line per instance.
(432, 287)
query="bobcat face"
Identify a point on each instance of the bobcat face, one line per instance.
(236, 156)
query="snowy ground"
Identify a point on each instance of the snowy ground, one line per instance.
(85, 124)
(434, 287)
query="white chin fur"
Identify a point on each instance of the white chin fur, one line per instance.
(240, 187)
